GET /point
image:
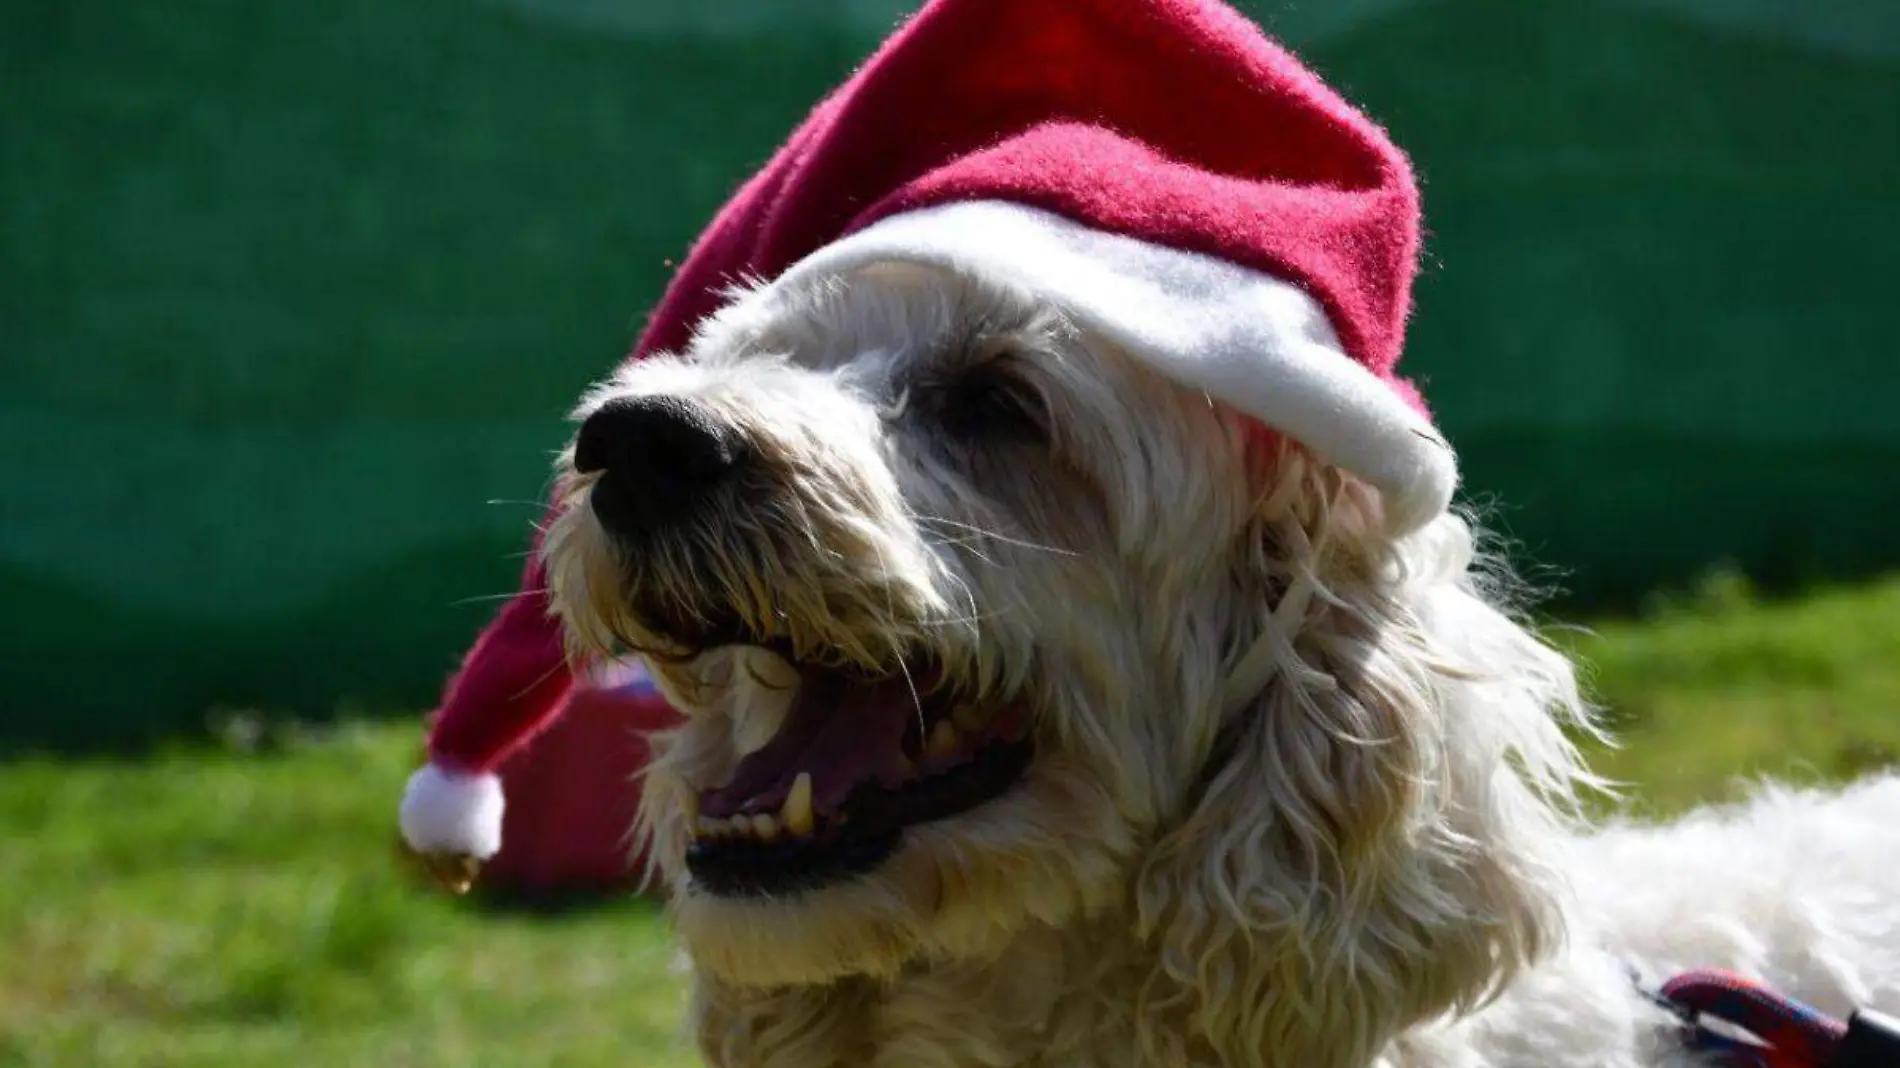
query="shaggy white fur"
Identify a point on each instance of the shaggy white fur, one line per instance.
(1302, 792)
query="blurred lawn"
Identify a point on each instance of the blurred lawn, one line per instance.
(239, 906)
(1716, 688)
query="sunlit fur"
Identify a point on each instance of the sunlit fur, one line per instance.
(1303, 792)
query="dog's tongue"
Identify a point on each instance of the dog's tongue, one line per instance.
(842, 731)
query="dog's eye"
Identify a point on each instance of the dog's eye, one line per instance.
(989, 404)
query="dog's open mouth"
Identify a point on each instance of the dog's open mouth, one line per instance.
(855, 762)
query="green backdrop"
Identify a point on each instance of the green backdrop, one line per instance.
(293, 298)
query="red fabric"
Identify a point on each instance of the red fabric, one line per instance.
(570, 801)
(1173, 121)
(510, 685)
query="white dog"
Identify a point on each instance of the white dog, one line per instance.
(1043, 711)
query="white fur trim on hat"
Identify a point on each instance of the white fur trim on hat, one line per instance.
(1257, 342)
(451, 812)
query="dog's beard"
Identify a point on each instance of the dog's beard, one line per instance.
(839, 801)
(858, 719)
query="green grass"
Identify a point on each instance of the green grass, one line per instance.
(238, 905)
(213, 909)
(1715, 689)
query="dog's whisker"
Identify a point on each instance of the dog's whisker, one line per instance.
(968, 545)
(890, 608)
(964, 620)
(975, 614)
(917, 702)
(490, 598)
(542, 678)
(995, 536)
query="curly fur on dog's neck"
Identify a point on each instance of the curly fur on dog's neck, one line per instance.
(1370, 846)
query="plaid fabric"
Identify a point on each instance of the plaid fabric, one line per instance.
(1776, 1031)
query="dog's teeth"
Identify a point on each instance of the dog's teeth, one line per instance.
(796, 812)
(764, 827)
(970, 717)
(943, 741)
(706, 827)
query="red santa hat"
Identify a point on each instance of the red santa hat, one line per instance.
(1158, 169)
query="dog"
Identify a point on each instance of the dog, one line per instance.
(1041, 710)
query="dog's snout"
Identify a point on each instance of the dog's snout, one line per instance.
(656, 457)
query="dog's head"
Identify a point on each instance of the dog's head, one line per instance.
(981, 625)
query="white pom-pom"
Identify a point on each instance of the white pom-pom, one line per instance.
(451, 812)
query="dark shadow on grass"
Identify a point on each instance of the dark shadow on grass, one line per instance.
(563, 904)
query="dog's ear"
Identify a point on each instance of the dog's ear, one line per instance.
(1369, 845)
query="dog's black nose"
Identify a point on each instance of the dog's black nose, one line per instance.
(657, 457)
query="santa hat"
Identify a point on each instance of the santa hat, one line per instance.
(1157, 169)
